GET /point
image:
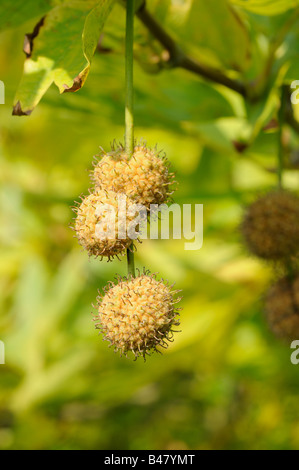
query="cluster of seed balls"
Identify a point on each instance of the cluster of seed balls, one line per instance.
(136, 314)
(144, 178)
(270, 230)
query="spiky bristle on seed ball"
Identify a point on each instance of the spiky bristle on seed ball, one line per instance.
(145, 177)
(138, 314)
(270, 226)
(97, 224)
(282, 308)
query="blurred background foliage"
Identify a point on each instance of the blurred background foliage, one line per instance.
(225, 382)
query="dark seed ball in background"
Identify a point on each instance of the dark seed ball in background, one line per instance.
(270, 226)
(282, 308)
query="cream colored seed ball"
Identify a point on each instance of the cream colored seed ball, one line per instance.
(144, 177)
(137, 315)
(96, 224)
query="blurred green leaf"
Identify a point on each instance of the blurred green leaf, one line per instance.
(221, 134)
(290, 55)
(218, 33)
(266, 7)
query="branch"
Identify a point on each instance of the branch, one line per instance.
(178, 58)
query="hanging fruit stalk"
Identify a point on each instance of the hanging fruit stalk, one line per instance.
(137, 314)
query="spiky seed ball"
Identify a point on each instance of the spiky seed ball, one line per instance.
(137, 314)
(282, 308)
(97, 224)
(144, 177)
(271, 226)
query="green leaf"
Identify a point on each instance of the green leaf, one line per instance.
(266, 7)
(293, 71)
(93, 26)
(14, 13)
(61, 51)
(216, 34)
(291, 54)
(213, 174)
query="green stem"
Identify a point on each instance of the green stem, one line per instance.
(281, 116)
(131, 262)
(129, 112)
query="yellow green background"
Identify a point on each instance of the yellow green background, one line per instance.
(226, 382)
